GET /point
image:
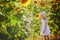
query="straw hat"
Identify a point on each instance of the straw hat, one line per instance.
(43, 13)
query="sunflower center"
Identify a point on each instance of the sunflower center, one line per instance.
(24, 1)
(37, 15)
(35, 2)
(42, 4)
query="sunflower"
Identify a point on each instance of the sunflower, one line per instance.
(16, 9)
(54, 7)
(37, 16)
(52, 2)
(35, 2)
(42, 5)
(25, 2)
(57, 0)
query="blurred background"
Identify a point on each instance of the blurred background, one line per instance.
(20, 19)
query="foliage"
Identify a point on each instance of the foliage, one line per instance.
(19, 22)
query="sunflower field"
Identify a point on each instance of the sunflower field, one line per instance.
(20, 19)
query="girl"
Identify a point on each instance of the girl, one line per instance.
(45, 28)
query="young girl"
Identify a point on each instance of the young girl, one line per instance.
(45, 28)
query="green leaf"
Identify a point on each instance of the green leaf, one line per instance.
(5, 0)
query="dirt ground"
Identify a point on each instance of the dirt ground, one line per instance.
(52, 37)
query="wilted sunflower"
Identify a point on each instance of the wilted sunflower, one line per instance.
(37, 16)
(42, 5)
(25, 2)
(54, 7)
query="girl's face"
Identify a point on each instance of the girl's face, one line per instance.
(41, 16)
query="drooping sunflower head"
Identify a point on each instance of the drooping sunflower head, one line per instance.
(25, 2)
(54, 7)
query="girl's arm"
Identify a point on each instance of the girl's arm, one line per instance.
(45, 26)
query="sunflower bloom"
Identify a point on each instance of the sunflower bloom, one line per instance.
(37, 16)
(35, 2)
(52, 2)
(57, 0)
(25, 2)
(42, 5)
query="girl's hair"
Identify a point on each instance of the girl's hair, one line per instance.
(44, 18)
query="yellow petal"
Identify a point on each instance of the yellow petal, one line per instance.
(25, 3)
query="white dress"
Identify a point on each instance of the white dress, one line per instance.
(47, 32)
